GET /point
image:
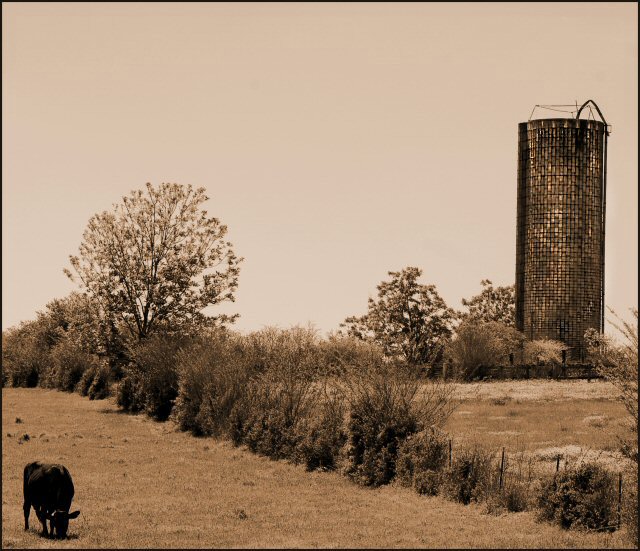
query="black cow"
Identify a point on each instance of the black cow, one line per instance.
(49, 489)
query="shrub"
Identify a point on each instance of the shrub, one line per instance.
(212, 375)
(267, 429)
(515, 495)
(268, 416)
(421, 458)
(518, 482)
(581, 496)
(380, 419)
(481, 344)
(322, 434)
(630, 503)
(341, 354)
(68, 363)
(24, 355)
(618, 364)
(85, 381)
(100, 387)
(470, 476)
(129, 394)
(154, 363)
(543, 352)
(281, 393)
(294, 348)
(428, 482)
(387, 404)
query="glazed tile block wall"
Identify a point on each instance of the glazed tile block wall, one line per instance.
(560, 230)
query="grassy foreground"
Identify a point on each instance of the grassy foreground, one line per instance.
(141, 484)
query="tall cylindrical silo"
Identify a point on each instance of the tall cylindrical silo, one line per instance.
(560, 230)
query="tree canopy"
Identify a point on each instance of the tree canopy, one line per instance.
(408, 320)
(492, 304)
(157, 259)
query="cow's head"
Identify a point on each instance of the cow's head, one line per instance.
(60, 522)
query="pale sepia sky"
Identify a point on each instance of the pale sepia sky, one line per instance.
(337, 141)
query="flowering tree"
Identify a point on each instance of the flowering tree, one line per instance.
(408, 320)
(157, 259)
(492, 304)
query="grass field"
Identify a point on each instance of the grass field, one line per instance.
(540, 416)
(141, 484)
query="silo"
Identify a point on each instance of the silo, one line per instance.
(561, 229)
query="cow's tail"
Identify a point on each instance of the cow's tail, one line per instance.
(26, 506)
(27, 472)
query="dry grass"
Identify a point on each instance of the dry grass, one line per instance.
(536, 390)
(540, 424)
(141, 484)
(573, 419)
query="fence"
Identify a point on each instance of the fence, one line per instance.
(501, 475)
(567, 371)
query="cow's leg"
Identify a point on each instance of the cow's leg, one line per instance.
(43, 519)
(27, 509)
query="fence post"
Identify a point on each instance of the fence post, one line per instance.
(619, 500)
(450, 453)
(558, 463)
(501, 469)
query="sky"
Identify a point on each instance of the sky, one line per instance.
(337, 141)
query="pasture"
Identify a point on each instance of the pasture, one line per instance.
(142, 484)
(539, 415)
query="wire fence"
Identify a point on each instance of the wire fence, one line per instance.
(523, 469)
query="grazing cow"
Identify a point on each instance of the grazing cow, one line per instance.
(49, 489)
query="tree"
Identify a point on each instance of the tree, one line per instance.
(408, 320)
(157, 260)
(492, 304)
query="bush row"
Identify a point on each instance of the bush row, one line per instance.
(32, 359)
(583, 495)
(376, 422)
(67, 347)
(328, 404)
